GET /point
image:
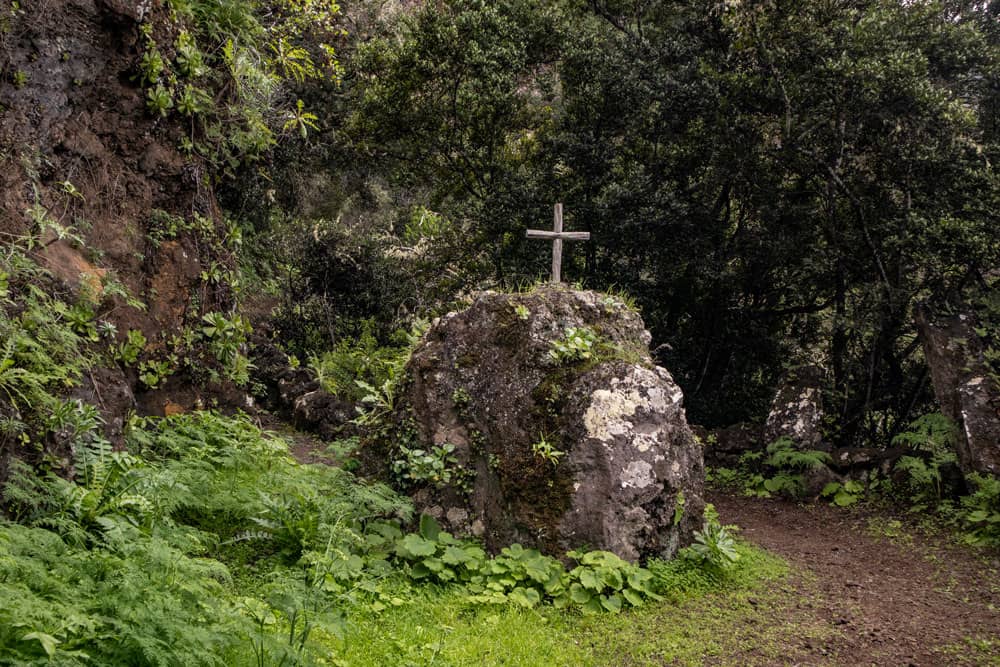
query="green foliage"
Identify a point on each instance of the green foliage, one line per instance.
(360, 359)
(844, 494)
(230, 66)
(689, 136)
(576, 345)
(43, 354)
(714, 544)
(980, 511)
(129, 350)
(931, 438)
(159, 100)
(600, 582)
(546, 450)
(155, 372)
(227, 336)
(189, 493)
(425, 224)
(603, 582)
(436, 466)
(781, 472)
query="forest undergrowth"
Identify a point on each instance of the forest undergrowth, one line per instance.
(205, 542)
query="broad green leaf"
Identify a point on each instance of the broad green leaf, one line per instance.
(633, 597)
(414, 546)
(429, 527)
(579, 594)
(47, 641)
(588, 579)
(612, 603)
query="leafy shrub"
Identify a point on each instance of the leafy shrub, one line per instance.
(843, 495)
(781, 472)
(601, 581)
(189, 487)
(436, 466)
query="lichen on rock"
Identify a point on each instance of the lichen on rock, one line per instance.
(584, 446)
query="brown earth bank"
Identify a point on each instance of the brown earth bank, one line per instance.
(885, 592)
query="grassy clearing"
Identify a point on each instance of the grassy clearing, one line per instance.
(206, 543)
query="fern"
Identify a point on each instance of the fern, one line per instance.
(980, 511)
(784, 456)
(931, 438)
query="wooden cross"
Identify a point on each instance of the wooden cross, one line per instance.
(557, 235)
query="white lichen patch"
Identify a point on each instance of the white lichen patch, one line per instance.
(607, 414)
(637, 475)
(645, 442)
(610, 409)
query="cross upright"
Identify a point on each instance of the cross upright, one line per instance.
(557, 235)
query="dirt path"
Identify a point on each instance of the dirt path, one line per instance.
(888, 596)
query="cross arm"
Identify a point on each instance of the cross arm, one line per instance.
(568, 236)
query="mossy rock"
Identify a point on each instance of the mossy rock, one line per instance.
(618, 450)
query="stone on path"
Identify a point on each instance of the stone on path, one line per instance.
(797, 410)
(588, 447)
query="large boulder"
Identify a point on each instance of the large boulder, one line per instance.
(965, 387)
(559, 429)
(797, 409)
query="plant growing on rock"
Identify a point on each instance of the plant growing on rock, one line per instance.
(546, 450)
(436, 466)
(576, 345)
(980, 511)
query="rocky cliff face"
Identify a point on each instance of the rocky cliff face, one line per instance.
(561, 431)
(96, 178)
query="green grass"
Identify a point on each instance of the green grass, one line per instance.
(713, 618)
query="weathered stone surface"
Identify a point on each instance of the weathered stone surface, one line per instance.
(848, 460)
(323, 413)
(296, 395)
(630, 476)
(797, 409)
(965, 389)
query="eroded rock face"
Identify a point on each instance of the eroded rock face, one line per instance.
(556, 453)
(964, 386)
(797, 410)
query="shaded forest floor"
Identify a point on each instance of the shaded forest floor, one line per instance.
(873, 589)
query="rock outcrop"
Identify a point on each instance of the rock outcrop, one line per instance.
(564, 433)
(965, 388)
(797, 409)
(296, 395)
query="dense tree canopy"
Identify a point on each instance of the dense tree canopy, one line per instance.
(774, 182)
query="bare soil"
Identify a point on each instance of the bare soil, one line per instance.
(885, 592)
